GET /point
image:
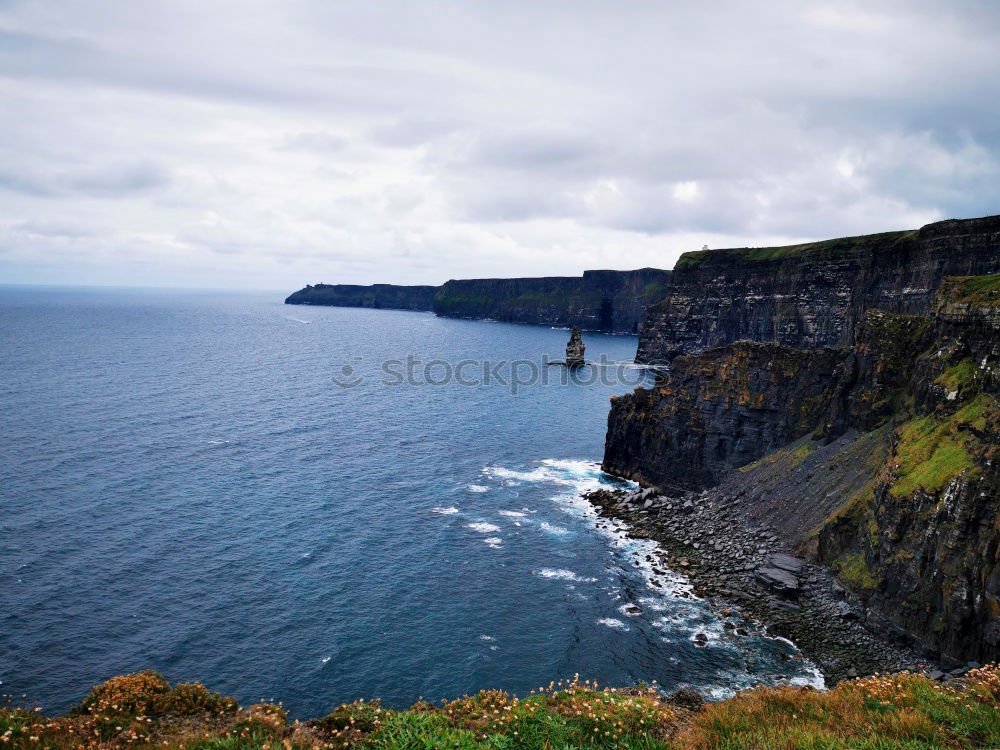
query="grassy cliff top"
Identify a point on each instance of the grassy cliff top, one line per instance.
(875, 713)
(977, 291)
(837, 246)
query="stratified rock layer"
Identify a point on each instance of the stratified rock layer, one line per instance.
(718, 410)
(812, 295)
(612, 301)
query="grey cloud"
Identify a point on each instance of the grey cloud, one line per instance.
(120, 179)
(110, 181)
(466, 133)
(407, 132)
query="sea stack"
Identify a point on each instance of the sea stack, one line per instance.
(574, 349)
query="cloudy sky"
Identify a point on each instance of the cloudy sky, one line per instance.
(267, 144)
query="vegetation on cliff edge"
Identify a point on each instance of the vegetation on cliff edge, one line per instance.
(932, 451)
(871, 242)
(875, 713)
(977, 291)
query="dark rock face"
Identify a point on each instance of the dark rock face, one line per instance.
(611, 301)
(387, 296)
(813, 295)
(893, 481)
(718, 410)
(921, 542)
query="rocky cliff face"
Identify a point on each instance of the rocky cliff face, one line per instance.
(893, 480)
(811, 295)
(388, 296)
(611, 301)
(921, 540)
(718, 410)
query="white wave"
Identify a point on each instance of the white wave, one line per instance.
(813, 677)
(477, 488)
(630, 610)
(487, 638)
(298, 320)
(444, 511)
(668, 602)
(482, 527)
(513, 513)
(494, 541)
(611, 622)
(326, 659)
(561, 574)
(553, 529)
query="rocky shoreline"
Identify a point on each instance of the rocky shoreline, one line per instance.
(746, 572)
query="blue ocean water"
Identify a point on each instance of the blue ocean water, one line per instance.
(184, 487)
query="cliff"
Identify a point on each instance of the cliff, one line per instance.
(812, 295)
(878, 460)
(718, 410)
(388, 296)
(610, 301)
(921, 541)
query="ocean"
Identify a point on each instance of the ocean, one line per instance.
(311, 505)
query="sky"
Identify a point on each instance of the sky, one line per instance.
(270, 144)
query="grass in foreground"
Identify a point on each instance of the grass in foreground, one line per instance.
(903, 711)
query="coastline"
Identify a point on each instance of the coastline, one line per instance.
(724, 556)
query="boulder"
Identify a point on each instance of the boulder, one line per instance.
(786, 562)
(778, 581)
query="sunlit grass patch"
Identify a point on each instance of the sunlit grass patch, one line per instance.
(878, 713)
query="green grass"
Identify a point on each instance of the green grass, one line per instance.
(960, 376)
(879, 713)
(933, 450)
(788, 458)
(978, 291)
(870, 242)
(855, 571)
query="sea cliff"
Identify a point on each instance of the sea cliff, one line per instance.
(387, 296)
(609, 301)
(812, 295)
(877, 459)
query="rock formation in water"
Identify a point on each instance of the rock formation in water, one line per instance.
(878, 459)
(575, 349)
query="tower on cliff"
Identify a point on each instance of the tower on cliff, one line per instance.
(574, 349)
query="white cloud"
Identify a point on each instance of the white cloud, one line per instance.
(255, 143)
